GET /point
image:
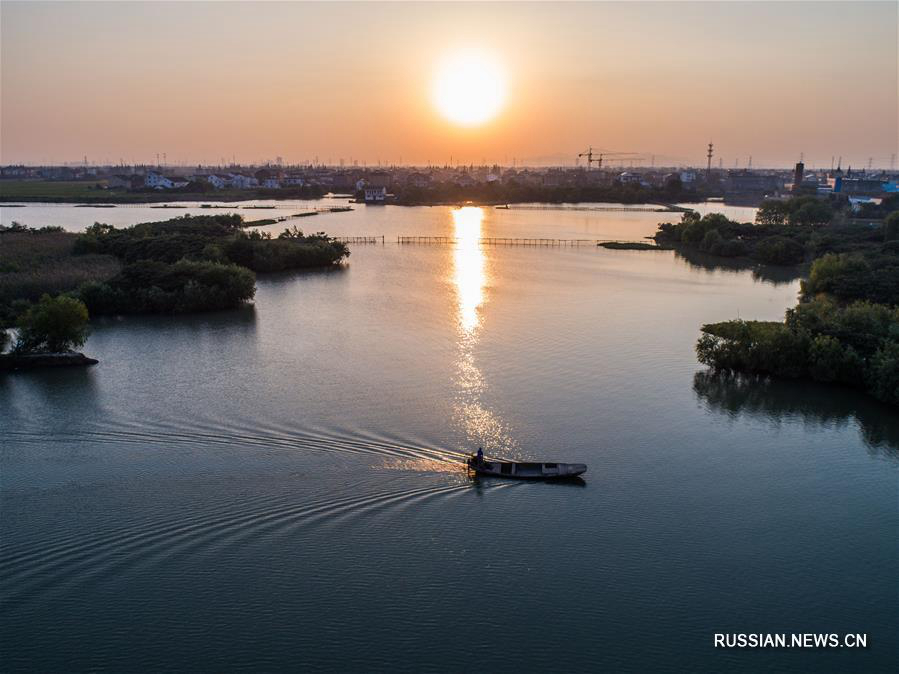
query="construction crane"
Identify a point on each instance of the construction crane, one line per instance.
(610, 156)
(589, 155)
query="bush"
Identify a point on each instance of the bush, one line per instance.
(772, 212)
(809, 211)
(883, 374)
(853, 277)
(285, 252)
(52, 325)
(857, 345)
(711, 240)
(730, 248)
(891, 227)
(150, 286)
(779, 250)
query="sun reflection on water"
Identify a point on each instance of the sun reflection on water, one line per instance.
(482, 426)
(469, 274)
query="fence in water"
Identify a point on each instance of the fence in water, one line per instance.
(508, 241)
(360, 239)
(661, 208)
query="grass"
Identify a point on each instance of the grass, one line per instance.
(12, 190)
(34, 263)
(86, 191)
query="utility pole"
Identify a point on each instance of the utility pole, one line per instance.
(708, 168)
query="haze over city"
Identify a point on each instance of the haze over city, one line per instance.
(361, 82)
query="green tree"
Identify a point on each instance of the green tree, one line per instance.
(891, 227)
(772, 212)
(54, 324)
(883, 374)
(779, 250)
(810, 211)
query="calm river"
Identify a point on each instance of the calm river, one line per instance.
(279, 488)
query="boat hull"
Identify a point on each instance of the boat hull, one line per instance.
(518, 470)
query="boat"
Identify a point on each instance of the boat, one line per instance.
(525, 470)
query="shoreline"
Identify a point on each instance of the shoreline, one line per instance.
(10, 362)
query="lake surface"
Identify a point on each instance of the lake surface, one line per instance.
(280, 488)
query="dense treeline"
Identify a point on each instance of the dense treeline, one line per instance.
(194, 263)
(845, 328)
(785, 233)
(718, 235)
(187, 286)
(512, 192)
(93, 192)
(855, 344)
(187, 264)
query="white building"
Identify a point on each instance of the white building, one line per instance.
(242, 182)
(375, 194)
(158, 181)
(217, 181)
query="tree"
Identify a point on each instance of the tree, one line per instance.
(54, 324)
(772, 212)
(891, 227)
(4, 339)
(779, 250)
(809, 211)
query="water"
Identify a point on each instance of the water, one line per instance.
(280, 487)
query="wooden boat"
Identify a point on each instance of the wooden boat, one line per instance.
(526, 470)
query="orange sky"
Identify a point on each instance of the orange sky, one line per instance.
(211, 80)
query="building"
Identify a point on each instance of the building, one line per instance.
(867, 187)
(375, 194)
(751, 182)
(219, 182)
(118, 182)
(158, 181)
(243, 182)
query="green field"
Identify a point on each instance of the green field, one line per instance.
(29, 190)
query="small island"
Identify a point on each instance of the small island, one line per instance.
(845, 328)
(51, 281)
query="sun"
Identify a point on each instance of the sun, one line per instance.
(469, 87)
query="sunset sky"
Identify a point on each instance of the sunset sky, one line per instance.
(208, 81)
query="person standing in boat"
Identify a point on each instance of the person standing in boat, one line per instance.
(479, 459)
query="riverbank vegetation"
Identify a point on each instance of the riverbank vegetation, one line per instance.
(845, 328)
(96, 191)
(34, 262)
(52, 325)
(511, 193)
(784, 233)
(187, 264)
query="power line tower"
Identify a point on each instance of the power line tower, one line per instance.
(708, 168)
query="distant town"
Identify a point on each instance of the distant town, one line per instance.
(443, 184)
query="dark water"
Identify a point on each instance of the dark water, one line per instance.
(280, 488)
